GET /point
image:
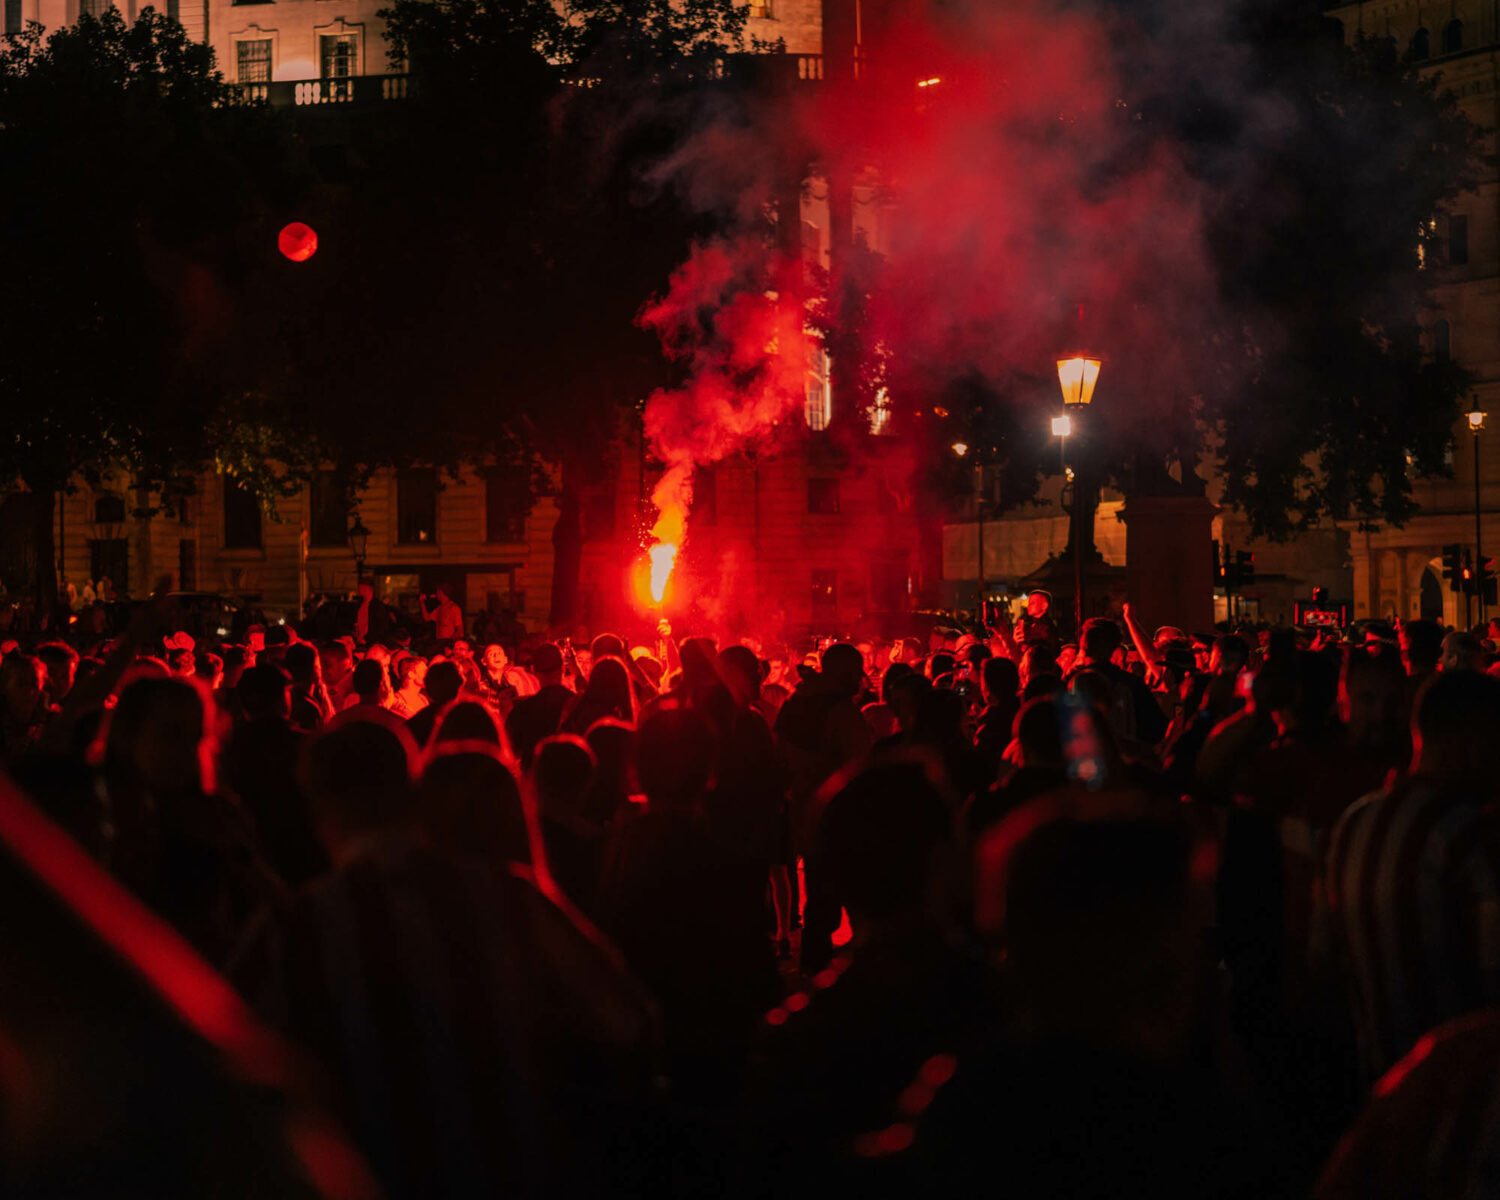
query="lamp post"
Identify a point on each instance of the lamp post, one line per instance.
(359, 542)
(962, 449)
(1077, 374)
(1476, 423)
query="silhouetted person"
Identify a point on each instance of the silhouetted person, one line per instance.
(444, 682)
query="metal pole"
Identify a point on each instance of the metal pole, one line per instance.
(1077, 552)
(979, 520)
(1478, 538)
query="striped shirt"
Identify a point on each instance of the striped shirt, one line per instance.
(463, 1019)
(1413, 887)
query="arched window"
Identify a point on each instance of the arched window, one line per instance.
(1421, 46)
(1453, 36)
(109, 509)
(1442, 341)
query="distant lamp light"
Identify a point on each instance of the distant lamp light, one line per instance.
(359, 538)
(1078, 375)
(1062, 426)
(297, 241)
(1476, 416)
(960, 448)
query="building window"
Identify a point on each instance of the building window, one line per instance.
(241, 517)
(507, 501)
(187, 565)
(109, 509)
(1420, 47)
(328, 516)
(1453, 36)
(825, 593)
(1458, 240)
(339, 54)
(13, 16)
(819, 388)
(109, 558)
(760, 10)
(823, 497)
(93, 8)
(1442, 341)
(706, 496)
(253, 59)
(416, 506)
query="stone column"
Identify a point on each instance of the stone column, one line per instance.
(1169, 561)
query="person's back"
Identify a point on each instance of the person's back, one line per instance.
(468, 1024)
(538, 716)
(1413, 876)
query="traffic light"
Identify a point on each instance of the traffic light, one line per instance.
(1466, 576)
(1453, 566)
(1244, 563)
(1221, 570)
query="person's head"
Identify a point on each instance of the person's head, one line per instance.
(675, 758)
(1098, 922)
(462, 651)
(60, 662)
(939, 665)
(444, 682)
(370, 682)
(1421, 646)
(562, 772)
(334, 660)
(1000, 681)
(357, 775)
(209, 668)
(264, 691)
(182, 662)
(547, 665)
(412, 673)
(160, 738)
(468, 721)
(609, 687)
(904, 695)
(1037, 604)
(606, 645)
(445, 590)
(23, 683)
(1230, 655)
(301, 662)
(378, 652)
(843, 668)
(1456, 728)
(1100, 639)
(470, 805)
(613, 744)
(883, 834)
(940, 718)
(1038, 735)
(494, 658)
(895, 671)
(1462, 652)
(741, 673)
(1037, 662)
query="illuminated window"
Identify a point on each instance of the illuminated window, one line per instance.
(823, 497)
(328, 501)
(339, 55)
(416, 506)
(1458, 240)
(760, 10)
(1453, 36)
(241, 517)
(880, 413)
(13, 16)
(253, 60)
(825, 593)
(1420, 47)
(507, 500)
(819, 408)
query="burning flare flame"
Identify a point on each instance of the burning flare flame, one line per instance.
(663, 557)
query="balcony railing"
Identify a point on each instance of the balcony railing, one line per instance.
(311, 93)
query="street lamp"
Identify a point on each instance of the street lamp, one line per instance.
(359, 542)
(962, 449)
(1476, 417)
(1077, 374)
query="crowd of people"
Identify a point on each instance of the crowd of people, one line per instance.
(1166, 914)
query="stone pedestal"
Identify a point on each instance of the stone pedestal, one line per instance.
(1169, 561)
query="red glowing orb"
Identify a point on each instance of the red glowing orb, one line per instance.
(297, 241)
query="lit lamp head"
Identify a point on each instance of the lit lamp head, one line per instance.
(1476, 416)
(1078, 374)
(1062, 426)
(960, 448)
